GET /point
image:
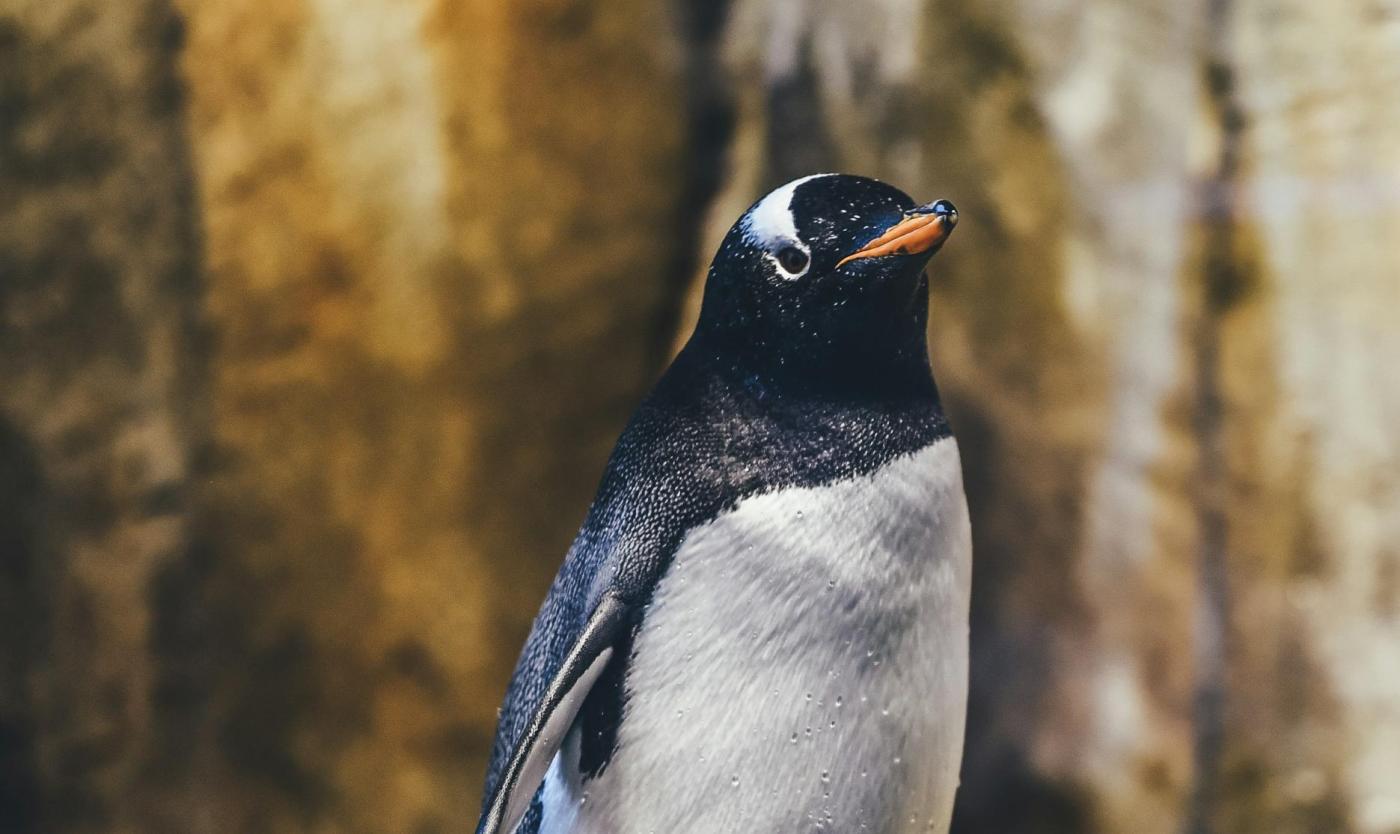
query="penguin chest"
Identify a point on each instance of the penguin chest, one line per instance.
(802, 667)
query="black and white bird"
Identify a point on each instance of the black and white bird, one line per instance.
(762, 625)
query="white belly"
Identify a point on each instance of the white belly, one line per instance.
(803, 667)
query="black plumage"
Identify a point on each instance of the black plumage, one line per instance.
(784, 383)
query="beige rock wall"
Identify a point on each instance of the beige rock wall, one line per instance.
(323, 316)
(318, 318)
(1311, 443)
(424, 251)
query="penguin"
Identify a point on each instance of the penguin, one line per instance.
(762, 625)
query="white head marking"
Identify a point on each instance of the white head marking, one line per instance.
(771, 226)
(771, 223)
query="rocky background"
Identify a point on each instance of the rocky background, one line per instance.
(319, 317)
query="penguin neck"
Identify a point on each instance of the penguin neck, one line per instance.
(859, 344)
(890, 366)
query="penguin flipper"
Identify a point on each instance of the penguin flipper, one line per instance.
(552, 718)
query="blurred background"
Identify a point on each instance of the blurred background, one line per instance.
(318, 319)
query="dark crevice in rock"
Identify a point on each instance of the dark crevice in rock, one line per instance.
(23, 624)
(1222, 280)
(1025, 800)
(709, 128)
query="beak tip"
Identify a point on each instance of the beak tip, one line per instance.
(945, 211)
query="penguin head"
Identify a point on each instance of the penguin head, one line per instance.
(822, 281)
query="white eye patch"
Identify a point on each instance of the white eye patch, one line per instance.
(771, 223)
(771, 226)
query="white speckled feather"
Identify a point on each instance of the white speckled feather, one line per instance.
(803, 667)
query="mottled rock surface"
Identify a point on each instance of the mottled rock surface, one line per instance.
(318, 318)
(100, 402)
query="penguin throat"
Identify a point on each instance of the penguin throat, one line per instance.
(887, 366)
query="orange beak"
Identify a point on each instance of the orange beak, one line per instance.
(919, 231)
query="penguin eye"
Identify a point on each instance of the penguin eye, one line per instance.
(792, 259)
